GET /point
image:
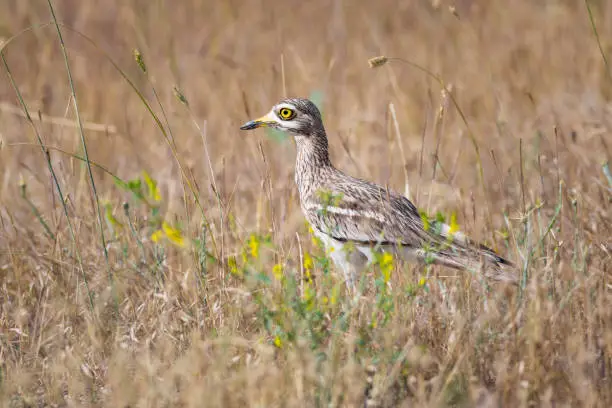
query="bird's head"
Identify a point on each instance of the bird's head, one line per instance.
(297, 116)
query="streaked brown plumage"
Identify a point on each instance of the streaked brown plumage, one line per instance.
(343, 209)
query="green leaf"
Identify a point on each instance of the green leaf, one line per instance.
(262, 277)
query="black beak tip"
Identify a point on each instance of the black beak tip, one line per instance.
(249, 125)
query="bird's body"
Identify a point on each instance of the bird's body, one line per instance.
(354, 217)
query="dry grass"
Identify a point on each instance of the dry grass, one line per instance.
(251, 313)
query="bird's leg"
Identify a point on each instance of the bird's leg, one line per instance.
(357, 262)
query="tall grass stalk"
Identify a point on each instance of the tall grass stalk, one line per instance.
(55, 180)
(94, 192)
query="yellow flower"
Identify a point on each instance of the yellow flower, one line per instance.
(453, 227)
(278, 342)
(308, 279)
(386, 265)
(254, 246)
(425, 220)
(277, 271)
(157, 236)
(233, 266)
(154, 193)
(308, 264)
(174, 235)
(313, 238)
(422, 282)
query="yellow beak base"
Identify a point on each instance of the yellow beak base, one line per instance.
(265, 121)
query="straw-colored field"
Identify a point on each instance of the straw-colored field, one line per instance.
(202, 286)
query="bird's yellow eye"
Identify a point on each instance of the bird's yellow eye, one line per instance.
(286, 113)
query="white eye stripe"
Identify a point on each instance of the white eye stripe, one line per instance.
(285, 105)
(291, 124)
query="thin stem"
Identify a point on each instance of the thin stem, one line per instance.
(53, 176)
(471, 135)
(594, 27)
(84, 144)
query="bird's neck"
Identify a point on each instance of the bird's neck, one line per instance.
(312, 162)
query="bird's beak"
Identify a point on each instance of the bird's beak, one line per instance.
(267, 120)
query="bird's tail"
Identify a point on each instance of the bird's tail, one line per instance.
(459, 252)
(479, 259)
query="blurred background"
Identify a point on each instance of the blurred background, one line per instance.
(530, 131)
(516, 72)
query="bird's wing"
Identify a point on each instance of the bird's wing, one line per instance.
(365, 213)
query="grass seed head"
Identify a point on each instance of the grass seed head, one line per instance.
(379, 61)
(140, 60)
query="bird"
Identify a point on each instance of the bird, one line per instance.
(355, 218)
